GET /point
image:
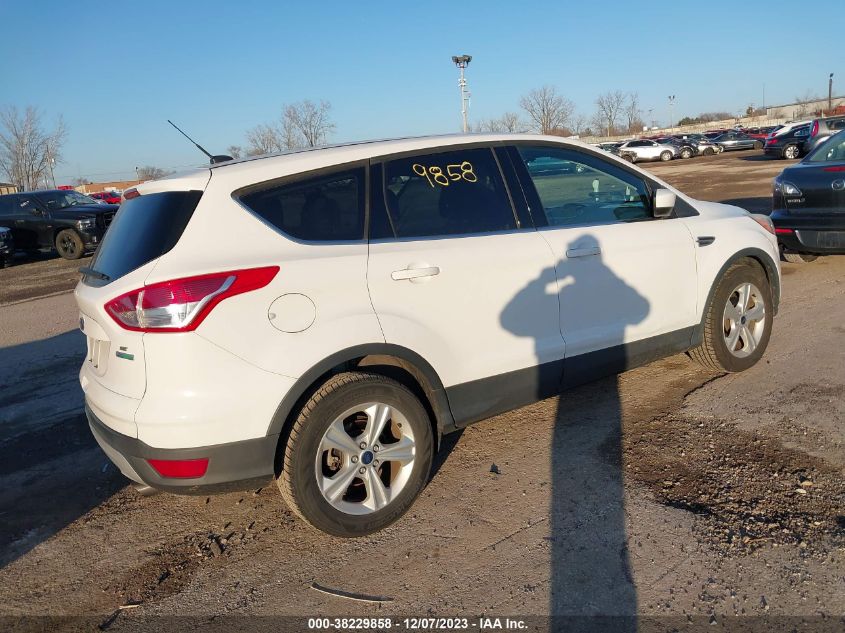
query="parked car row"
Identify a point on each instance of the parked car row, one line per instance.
(808, 203)
(663, 148)
(66, 220)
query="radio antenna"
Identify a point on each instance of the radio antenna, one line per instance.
(218, 158)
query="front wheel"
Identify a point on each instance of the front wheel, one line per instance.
(708, 151)
(69, 244)
(738, 320)
(790, 151)
(358, 455)
(686, 153)
(666, 156)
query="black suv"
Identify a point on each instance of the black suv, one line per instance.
(67, 220)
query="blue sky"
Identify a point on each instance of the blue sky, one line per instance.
(117, 70)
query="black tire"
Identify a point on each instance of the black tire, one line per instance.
(631, 158)
(6, 262)
(666, 156)
(713, 351)
(69, 244)
(708, 151)
(799, 258)
(297, 481)
(758, 145)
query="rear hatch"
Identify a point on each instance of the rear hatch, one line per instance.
(822, 188)
(145, 227)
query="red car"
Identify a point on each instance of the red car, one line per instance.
(109, 197)
(756, 132)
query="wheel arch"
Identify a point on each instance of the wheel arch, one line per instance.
(764, 260)
(394, 361)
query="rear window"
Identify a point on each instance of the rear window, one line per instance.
(144, 228)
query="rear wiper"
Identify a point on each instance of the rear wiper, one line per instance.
(91, 272)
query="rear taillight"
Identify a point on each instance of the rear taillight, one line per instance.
(771, 141)
(784, 231)
(182, 304)
(815, 129)
(835, 168)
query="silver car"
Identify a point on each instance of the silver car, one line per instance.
(643, 150)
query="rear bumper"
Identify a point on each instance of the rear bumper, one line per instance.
(234, 466)
(821, 235)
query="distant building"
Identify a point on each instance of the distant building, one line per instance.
(803, 110)
(7, 187)
(115, 185)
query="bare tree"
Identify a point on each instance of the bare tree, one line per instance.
(235, 151)
(149, 172)
(264, 139)
(310, 121)
(632, 113)
(581, 126)
(803, 103)
(610, 106)
(547, 110)
(27, 150)
(303, 124)
(508, 122)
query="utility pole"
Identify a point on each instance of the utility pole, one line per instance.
(671, 105)
(462, 61)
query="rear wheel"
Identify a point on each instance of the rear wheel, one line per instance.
(69, 244)
(358, 455)
(738, 320)
(665, 156)
(686, 153)
(799, 258)
(708, 151)
(758, 145)
(790, 151)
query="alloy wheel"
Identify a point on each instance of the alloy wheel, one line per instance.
(744, 320)
(365, 458)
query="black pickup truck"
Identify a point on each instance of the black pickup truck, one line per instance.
(68, 221)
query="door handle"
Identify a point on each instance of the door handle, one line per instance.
(414, 273)
(583, 252)
(705, 240)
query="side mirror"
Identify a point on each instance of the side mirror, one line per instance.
(664, 203)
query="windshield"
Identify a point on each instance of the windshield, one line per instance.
(832, 150)
(63, 199)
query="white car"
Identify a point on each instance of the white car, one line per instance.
(640, 150)
(323, 317)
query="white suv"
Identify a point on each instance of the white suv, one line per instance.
(323, 317)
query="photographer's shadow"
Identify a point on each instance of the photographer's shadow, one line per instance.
(590, 576)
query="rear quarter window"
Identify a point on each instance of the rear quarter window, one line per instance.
(144, 228)
(326, 208)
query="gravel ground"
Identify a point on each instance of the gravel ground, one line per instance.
(669, 494)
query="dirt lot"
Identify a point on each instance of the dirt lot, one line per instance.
(668, 496)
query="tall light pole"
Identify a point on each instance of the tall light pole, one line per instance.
(671, 105)
(830, 93)
(462, 61)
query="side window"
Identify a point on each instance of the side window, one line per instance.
(448, 193)
(327, 208)
(585, 189)
(5, 206)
